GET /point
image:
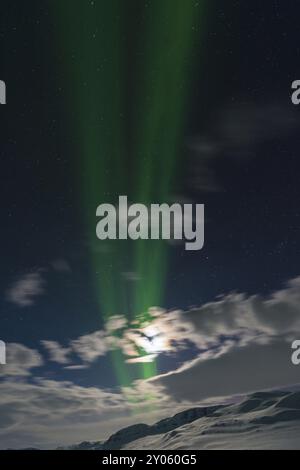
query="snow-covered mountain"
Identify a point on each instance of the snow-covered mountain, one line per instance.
(263, 420)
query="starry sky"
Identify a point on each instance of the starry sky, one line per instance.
(165, 102)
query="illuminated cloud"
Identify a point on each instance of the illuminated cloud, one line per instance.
(56, 352)
(234, 320)
(20, 361)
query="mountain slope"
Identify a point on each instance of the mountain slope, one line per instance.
(263, 420)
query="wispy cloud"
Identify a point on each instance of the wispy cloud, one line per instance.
(237, 132)
(26, 289)
(20, 361)
(61, 265)
(56, 352)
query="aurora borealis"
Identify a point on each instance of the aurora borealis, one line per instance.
(129, 72)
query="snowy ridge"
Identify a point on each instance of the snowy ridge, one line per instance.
(263, 420)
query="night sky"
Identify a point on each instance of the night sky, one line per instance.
(163, 101)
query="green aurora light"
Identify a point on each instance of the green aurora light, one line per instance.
(129, 68)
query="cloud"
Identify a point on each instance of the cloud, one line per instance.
(44, 408)
(37, 411)
(116, 322)
(237, 132)
(203, 154)
(244, 344)
(248, 317)
(48, 413)
(233, 320)
(61, 265)
(90, 347)
(25, 290)
(131, 276)
(57, 353)
(246, 125)
(20, 360)
(76, 367)
(236, 371)
(140, 340)
(143, 359)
